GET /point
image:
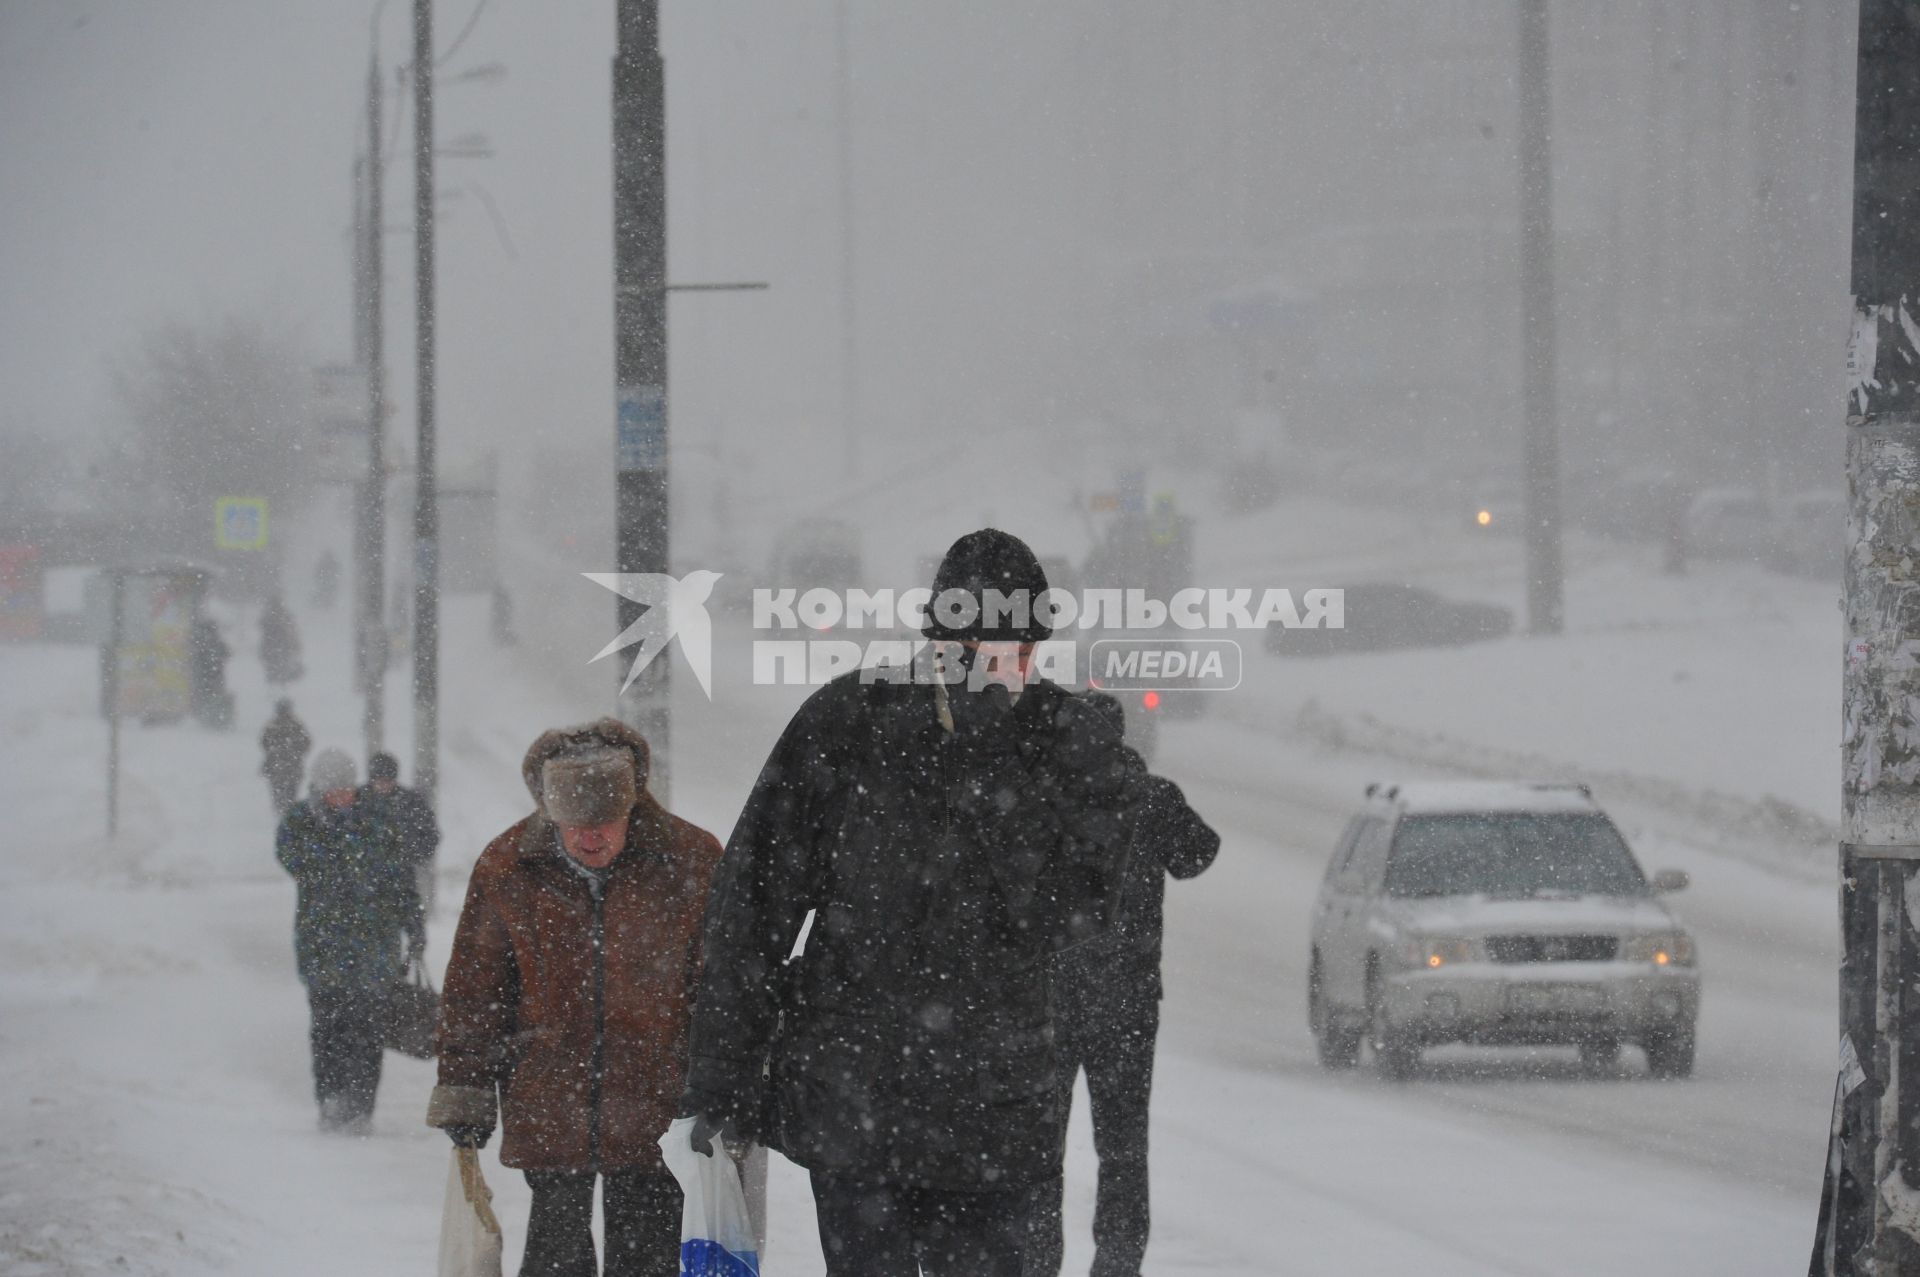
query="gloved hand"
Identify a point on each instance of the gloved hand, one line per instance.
(469, 1136)
(705, 1127)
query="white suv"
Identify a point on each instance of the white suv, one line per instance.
(1496, 914)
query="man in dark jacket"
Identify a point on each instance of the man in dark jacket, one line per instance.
(410, 815)
(279, 643)
(566, 1001)
(358, 913)
(207, 655)
(946, 840)
(1106, 1018)
(283, 747)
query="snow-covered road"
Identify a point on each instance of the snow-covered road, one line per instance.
(1508, 1162)
(157, 1117)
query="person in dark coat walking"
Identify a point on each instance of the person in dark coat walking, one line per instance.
(410, 815)
(326, 580)
(279, 643)
(1106, 1018)
(207, 655)
(357, 922)
(283, 747)
(566, 1002)
(946, 840)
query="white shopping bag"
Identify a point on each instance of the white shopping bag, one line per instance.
(716, 1232)
(469, 1233)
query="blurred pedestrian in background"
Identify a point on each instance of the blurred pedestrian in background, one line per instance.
(501, 615)
(409, 814)
(357, 923)
(326, 581)
(279, 643)
(207, 654)
(283, 748)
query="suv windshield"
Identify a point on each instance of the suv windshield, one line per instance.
(1512, 854)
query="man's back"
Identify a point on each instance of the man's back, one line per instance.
(356, 893)
(942, 872)
(408, 813)
(1169, 839)
(285, 739)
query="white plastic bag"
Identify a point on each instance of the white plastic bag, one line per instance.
(469, 1233)
(716, 1232)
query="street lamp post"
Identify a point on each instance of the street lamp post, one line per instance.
(640, 348)
(426, 513)
(370, 646)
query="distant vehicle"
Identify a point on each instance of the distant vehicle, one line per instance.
(1729, 523)
(1809, 536)
(1497, 507)
(1381, 616)
(1145, 707)
(1496, 914)
(1477, 493)
(819, 553)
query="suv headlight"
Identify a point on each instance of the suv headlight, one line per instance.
(1433, 952)
(1661, 948)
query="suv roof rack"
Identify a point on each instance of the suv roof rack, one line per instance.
(1578, 786)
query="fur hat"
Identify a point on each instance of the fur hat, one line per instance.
(333, 769)
(592, 787)
(587, 775)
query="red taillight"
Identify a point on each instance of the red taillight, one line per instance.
(1151, 700)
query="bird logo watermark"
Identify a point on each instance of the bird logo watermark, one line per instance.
(1117, 637)
(675, 608)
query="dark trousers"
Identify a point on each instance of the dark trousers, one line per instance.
(642, 1210)
(344, 1033)
(286, 789)
(1112, 1038)
(888, 1230)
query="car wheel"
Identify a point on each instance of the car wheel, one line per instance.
(1599, 1055)
(1337, 1045)
(1394, 1053)
(1670, 1054)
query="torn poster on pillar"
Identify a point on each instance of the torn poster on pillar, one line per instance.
(1852, 1076)
(1883, 360)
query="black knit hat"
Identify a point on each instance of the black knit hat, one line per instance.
(383, 766)
(989, 560)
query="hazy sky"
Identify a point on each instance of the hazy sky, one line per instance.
(193, 159)
(1036, 186)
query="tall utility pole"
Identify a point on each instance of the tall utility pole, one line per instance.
(371, 522)
(1870, 1207)
(1541, 452)
(426, 515)
(849, 351)
(640, 348)
(359, 264)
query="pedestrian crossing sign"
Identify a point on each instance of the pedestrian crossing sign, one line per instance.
(240, 523)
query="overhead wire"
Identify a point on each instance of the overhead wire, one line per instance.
(473, 20)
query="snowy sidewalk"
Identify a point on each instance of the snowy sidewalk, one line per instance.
(159, 1117)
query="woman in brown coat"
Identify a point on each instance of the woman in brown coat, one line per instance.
(567, 997)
